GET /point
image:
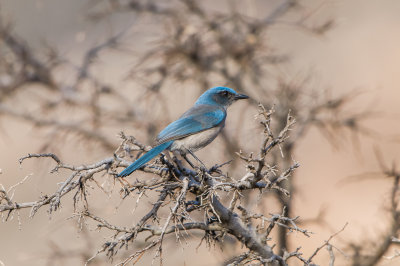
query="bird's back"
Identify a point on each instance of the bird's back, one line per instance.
(197, 119)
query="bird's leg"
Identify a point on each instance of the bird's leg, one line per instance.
(187, 160)
(203, 167)
(176, 160)
(194, 156)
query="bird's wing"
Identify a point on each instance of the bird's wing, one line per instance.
(198, 118)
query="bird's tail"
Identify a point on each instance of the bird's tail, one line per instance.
(144, 159)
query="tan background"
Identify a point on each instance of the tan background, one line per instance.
(362, 51)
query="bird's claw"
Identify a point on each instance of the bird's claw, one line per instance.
(201, 168)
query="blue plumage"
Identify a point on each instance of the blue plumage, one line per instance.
(145, 158)
(195, 129)
(198, 118)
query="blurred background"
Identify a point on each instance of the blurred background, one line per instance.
(73, 74)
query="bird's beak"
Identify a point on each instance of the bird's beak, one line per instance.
(241, 96)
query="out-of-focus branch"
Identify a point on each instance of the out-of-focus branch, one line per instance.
(372, 251)
(75, 128)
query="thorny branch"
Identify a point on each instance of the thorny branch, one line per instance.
(174, 186)
(199, 47)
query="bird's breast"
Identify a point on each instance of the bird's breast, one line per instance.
(196, 141)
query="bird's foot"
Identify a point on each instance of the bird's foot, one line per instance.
(216, 167)
(201, 168)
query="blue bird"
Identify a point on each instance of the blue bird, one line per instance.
(195, 129)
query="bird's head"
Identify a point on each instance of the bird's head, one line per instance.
(222, 96)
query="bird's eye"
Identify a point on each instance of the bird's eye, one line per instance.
(224, 93)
